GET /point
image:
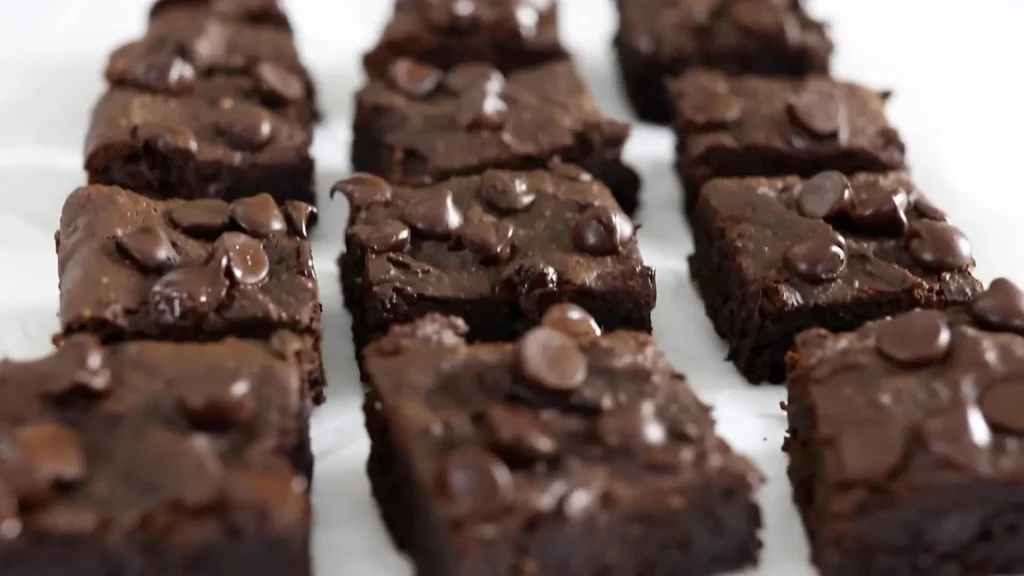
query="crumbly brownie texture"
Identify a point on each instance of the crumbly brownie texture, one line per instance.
(155, 458)
(496, 249)
(761, 126)
(661, 38)
(133, 267)
(205, 106)
(774, 257)
(562, 453)
(904, 441)
(419, 125)
(509, 34)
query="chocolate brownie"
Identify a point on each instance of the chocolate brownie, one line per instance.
(496, 249)
(205, 106)
(264, 12)
(134, 267)
(775, 256)
(509, 34)
(420, 125)
(562, 453)
(904, 441)
(761, 126)
(158, 458)
(663, 38)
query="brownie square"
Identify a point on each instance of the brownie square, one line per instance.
(200, 270)
(420, 125)
(760, 126)
(496, 249)
(904, 441)
(154, 458)
(508, 34)
(262, 12)
(561, 453)
(205, 106)
(776, 256)
(663, 38)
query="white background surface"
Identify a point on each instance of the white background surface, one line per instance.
(957, 67)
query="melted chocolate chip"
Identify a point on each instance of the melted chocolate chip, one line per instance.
(572, 320)
(488, 237)
(278, 84)
(958, 434)
(818, 109)
(879, 211)
(53, 451)
(163, 72)
(211, 50)
(247, 261)
(939, 246)
(825, 195)
(820, 259)
(363, 190)
(150, 247)
(506, 192)
(434, 214)
(382, 237)
(165, 137)
(917, 338)
(518, 436)
(452, 14)
(190, 292)
(602, 231)
(204, 218)
(81, 365)
(711, 109)
(586, 488)
(551, 360)
(476, 484)
(258, 215)
(475, 76)
(416, 79)
(1001, 307)
(764, 18)
(568, 171)
(481, 109)
(1001, 406)
(870, 452)
(242, 126)
(218, 406)
(301, 216)
(631, 427)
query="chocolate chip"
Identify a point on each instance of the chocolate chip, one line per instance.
(506, 192)
(164, 71)
(363, 190)
(825, 195)
(939, 246)
(80, 365)
(572, 320)
(878, 210)
(283, 494)
(65, 519)
(258, 215)
(958, 434)
(278, 84)
(586, 488)
(820, 259)
(165, 137)
(1001, 307)
(481, 109)
(870, 452)
(247, 260)
(382, 237)
(531, 284)
(149, 246)
(1001, 404)
(211, 50)
(430, 331)
(53, 451)
(242, 126)
(768, 19)
(916, 338)
(475, 76)
(204, 218)
(517, 436)
(433, 213)
(602, 231)
(818, 109)
(711, 109)
(300, 216)
(190, 292)
(488, 237)
(551, 360)
(631, 427)
(260, 10)
(416, 79)
(218, 403)
(476, 484)
(454, 14)
(568, 171)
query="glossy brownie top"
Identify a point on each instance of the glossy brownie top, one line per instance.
(922, 399)
(131, 265)
(502, 232)
(563, 421)
(831, 238)
(187, 443)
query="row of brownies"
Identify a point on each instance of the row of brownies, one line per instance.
(523, 422)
